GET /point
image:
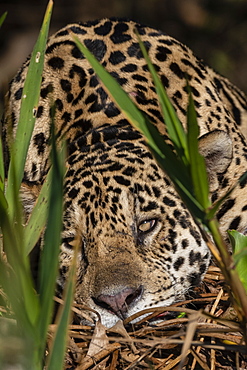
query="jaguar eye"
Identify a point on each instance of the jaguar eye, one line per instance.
(147, 225)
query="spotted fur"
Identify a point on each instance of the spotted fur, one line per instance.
(139, 247)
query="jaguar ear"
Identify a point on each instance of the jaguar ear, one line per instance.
(216, 148)
(29, 194)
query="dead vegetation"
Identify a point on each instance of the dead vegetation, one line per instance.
(199, 333)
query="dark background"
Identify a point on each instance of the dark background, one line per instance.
(216, 30)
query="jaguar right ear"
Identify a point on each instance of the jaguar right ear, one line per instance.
(216, 148)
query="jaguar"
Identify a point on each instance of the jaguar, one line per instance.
(139, 246)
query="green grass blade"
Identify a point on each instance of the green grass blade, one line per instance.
(3, 206)
(16, 217)
(11, 284)
(2, 172)
(197, 163)
(29, 105)
(2, 18)
(56, 360)
(27, 303)
(25, 299)
(174, 127)
(239, 244)
(52, 239)
(37, 221)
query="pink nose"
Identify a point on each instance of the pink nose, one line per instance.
(119, 303)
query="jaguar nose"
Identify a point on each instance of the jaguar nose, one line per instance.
(120, 302)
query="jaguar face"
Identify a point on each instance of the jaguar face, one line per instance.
(139, 247)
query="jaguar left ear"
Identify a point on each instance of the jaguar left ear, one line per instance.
(216, 148)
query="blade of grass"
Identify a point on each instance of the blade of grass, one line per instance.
(186, 146)
(56, 360)
(10, 282)
(38, 218)
(2, 172)
(239, 243)
(176, 171)
(16, 277)
(30, 98)
(13, 234)
(2, 18)
(174, 127)
(26, 299)
(197, 163)
(49, 256)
